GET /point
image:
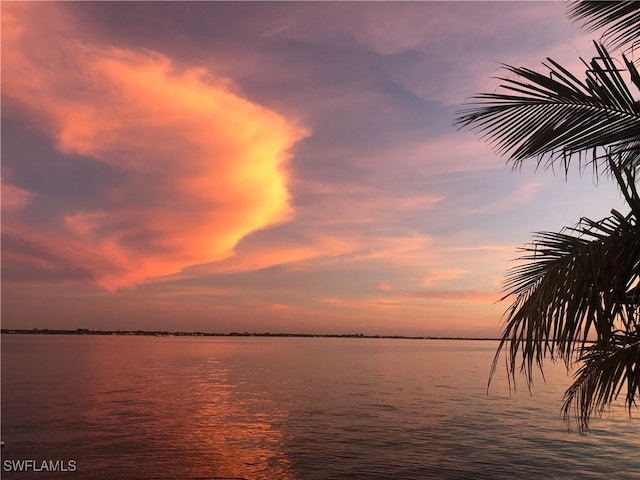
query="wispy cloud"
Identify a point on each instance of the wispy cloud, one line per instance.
(14, 198)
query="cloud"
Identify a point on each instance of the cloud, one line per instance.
(437, 302)
(201, 166)
(268, 252)
(14, 198)
(473, 296)
(444, 275)
(28, 253)
(393, 295)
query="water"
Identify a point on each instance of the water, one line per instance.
(291, 408)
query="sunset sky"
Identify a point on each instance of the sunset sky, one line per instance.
(269, 167)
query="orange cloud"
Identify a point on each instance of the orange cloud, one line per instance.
(444, 275)
(264, 256)
(473, 296)
(201, 166)
(395, 298)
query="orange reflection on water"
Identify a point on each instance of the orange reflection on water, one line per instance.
(240, 435)
(193, 412)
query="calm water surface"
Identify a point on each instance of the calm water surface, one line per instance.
(291, 408)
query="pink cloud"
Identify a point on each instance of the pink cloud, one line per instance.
(392, 295)
(14, 198)
(28, 252)
(202, 165)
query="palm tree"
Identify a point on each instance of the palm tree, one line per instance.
(576, 292)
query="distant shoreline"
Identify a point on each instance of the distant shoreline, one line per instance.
(157, 333)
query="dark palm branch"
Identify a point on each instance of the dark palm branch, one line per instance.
(559, 117)
(575, 286)
(607, 370)
(572, 284)
(621, 19)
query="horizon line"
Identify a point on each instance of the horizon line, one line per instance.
(87, 331)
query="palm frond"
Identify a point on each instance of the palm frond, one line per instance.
(606, 369)
(571, 285)
(625, 175)
(558, 117)
(621, 19)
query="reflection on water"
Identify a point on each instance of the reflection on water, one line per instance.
(136, 407)
(236, 435)
(291, 408)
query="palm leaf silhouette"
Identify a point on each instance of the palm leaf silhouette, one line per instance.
(573, 286)
(621, 20)
(605, 372)
(558, 117)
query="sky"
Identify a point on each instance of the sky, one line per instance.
(270, 167)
